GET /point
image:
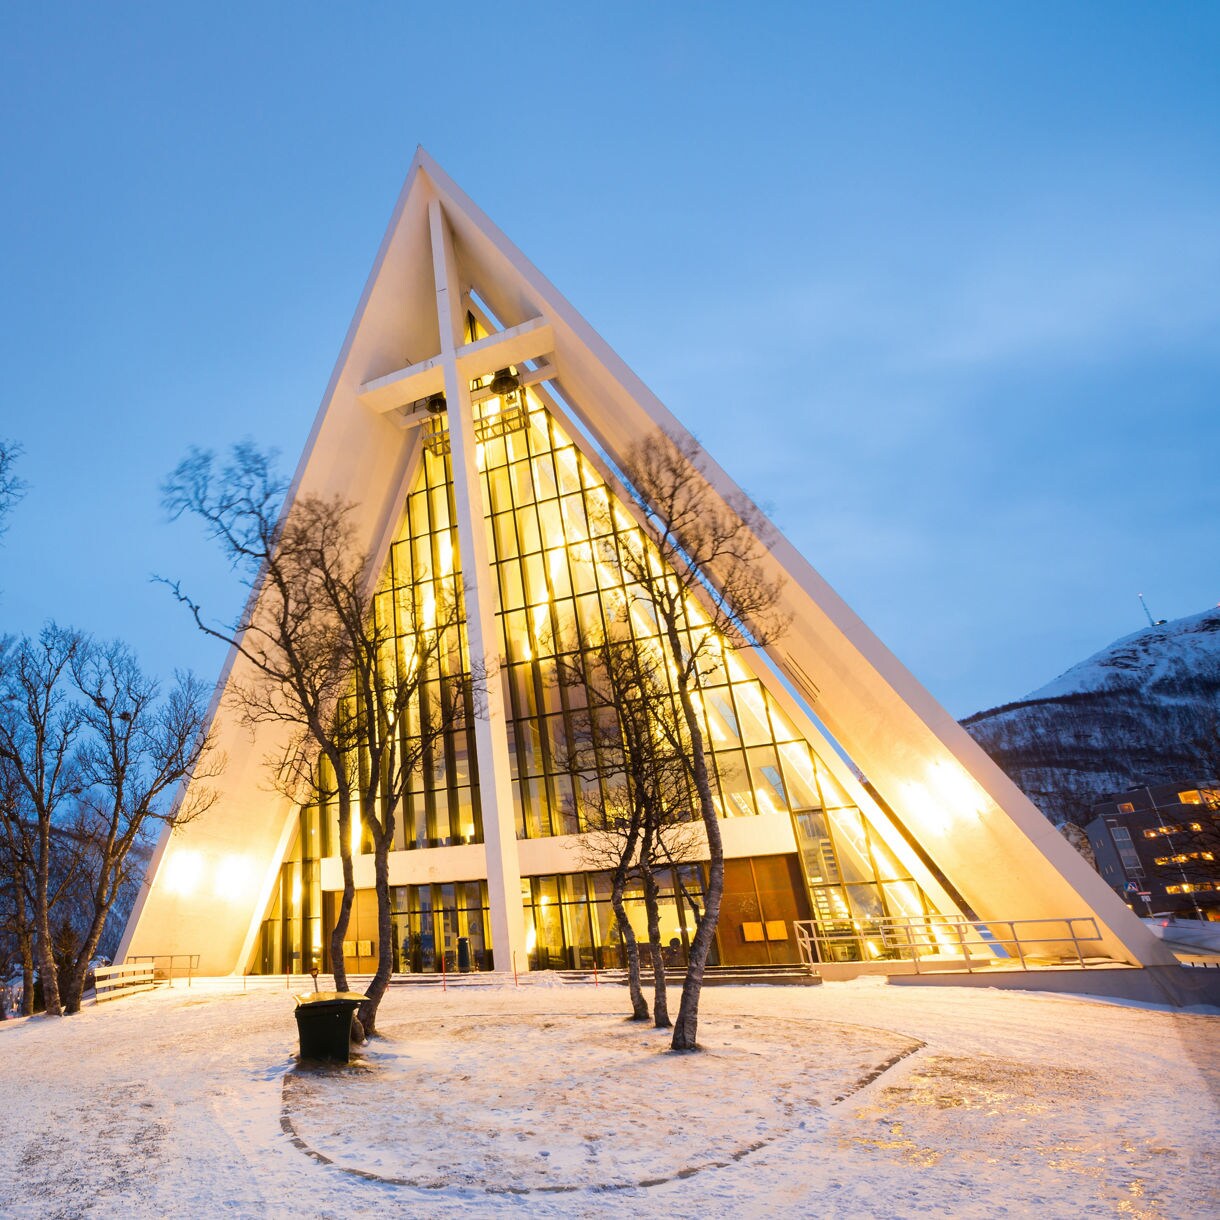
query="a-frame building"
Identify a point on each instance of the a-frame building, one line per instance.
(489, 867)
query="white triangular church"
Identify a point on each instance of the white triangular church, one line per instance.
(489, 872)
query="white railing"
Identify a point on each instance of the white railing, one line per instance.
(169, 966)
(947, 940)
(110, 982)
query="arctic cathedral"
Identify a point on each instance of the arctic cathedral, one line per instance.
(850, 803)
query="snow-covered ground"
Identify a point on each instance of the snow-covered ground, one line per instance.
(850, 1099)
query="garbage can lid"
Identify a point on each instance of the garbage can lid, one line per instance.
(329, 997)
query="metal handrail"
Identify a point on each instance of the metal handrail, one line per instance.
(915, 937)
(166, 973)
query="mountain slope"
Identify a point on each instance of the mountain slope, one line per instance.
(1145, 710)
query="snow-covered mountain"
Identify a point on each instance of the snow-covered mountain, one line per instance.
(1145, 710)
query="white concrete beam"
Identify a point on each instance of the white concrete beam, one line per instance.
(408, 385)
(530, 341)
(482, 634)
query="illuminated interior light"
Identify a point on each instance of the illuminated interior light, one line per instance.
(531, 939)
(183, 872)
(297, 892)
(765, 803)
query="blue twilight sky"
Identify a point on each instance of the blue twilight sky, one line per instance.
(939, 283)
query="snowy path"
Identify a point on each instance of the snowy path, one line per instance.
(992, 1104)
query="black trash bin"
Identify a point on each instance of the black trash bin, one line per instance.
(324, 1023)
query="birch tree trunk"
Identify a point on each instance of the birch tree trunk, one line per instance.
(686, 1026)
(338, 934)
(639, 1006)
(660, 1001)
(367, 1011)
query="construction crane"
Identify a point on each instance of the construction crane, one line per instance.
(1152, 622)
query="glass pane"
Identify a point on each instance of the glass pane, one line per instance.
(832, 791)
(865, 901)
(734, 783)
(902, 898)
(755, 729)
(888, 868)
(848, 831)
(797, 765)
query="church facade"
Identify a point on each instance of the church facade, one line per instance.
(512, 498)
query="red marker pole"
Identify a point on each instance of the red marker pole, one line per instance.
(595, 982)
(443, 984)
(515, 983)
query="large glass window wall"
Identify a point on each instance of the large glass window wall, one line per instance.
(441, 803)
(291, 935)
(553, 530)
(570, 922)
(446, 922)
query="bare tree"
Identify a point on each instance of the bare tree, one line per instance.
(640, 819)
(40, 724)
(367, 683)
(138, 748)
(91, 757)
(16, 916)
(696, 568)
(11, 487)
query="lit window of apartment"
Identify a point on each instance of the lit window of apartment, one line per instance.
(1193, 797)
(1126, 807)
(1156, 831)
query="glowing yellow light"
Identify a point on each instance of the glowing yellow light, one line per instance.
(765, 803)
(948, 794)
(183, 872)
(296, 892)
(544, 900)
(542, 622)
(531, 939)
(353, 837)
(233, 878)
(445, 547)
(955, 787)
